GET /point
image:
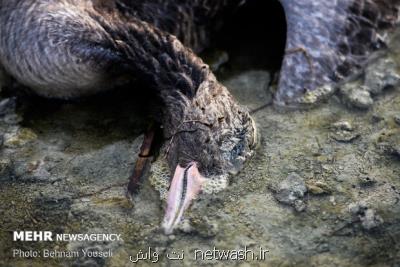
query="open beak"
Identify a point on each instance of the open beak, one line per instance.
(185, 186)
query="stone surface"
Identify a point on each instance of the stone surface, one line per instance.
(71, 178)
(381, 75)
(357, 96)
(291, 189)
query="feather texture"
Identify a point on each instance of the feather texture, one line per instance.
(66, 48)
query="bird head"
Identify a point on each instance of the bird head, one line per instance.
(209, 143)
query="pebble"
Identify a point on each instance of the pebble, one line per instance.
(299, 205)
(341, 177)
(5, 166)
(397, 119)
(368, 217)
(185, 226)
(324, 247)
(361, 98)
(376, 118)
(332, 200)
(345, 136)
(19, 137)
(12, 119)
(343, 131)
(342, 126)
(371, 220)
(291, 189)
(357, 208)
(366, 181)
(381, 75)
(206, 227)
(318, 188)
(357, 96)
(395, 150)
(7, 106)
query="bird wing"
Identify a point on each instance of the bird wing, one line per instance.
(190, 21)
(328, 41)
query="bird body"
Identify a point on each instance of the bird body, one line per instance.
(70, 48)
(73, 48)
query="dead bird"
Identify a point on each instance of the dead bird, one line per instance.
(73, 48)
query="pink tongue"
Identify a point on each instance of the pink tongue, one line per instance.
(182, 191)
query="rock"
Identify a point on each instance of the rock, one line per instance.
(395, 150)
(357, 208)
(35, 170)
(366, 181)
(357, 96)
(185, 226)
(342, 126)
(299, 205)
(84, 155)
(318, 188)
(343, 131)
(381, 75)
(205, 227)
(324, 247)
(367, 216)
(371, 220)
(361, 99)
(291, 189)
(12, 119)
(7, 106)
(389, 142)
(345, 136)
(376, 118)
(19, 137)
(332, 200)
(5, 168)
(313, 97)
(397, 119)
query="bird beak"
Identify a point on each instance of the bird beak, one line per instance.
(185, 186)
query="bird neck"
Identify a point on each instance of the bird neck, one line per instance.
(158, 58)
(184, 82)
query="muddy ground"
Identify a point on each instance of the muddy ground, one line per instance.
(323, 188)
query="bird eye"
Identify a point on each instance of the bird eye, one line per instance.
(237, 150)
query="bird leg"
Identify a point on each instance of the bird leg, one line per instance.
(143, 161)
(185, 186)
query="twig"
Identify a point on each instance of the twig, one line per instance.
(253, 111)
(31, 217)
(308, 58)
(343, 226)
(182, 131)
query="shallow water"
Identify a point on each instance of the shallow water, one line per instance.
(55, 153)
